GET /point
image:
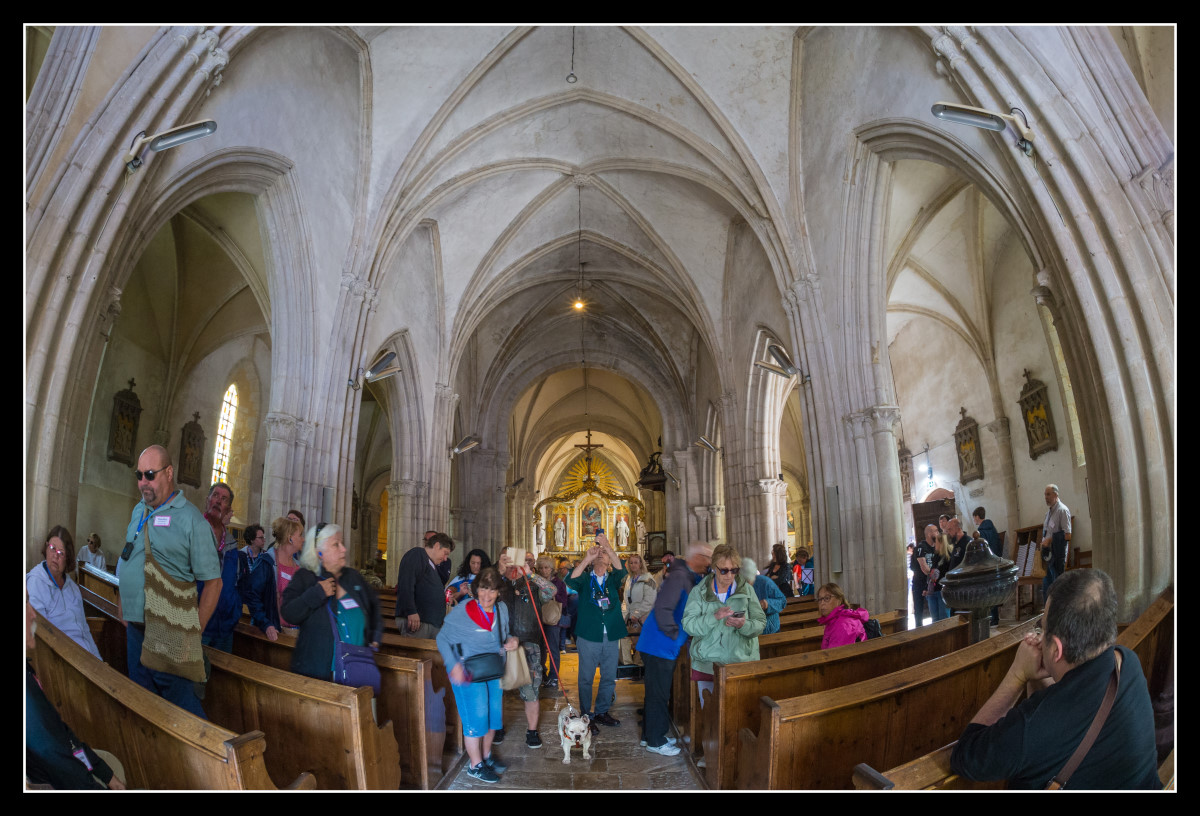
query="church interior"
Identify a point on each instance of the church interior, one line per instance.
(522, 284)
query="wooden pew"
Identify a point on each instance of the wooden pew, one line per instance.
(161, 746)
(815, 740)
(1150, 637)
(442, 712)
(808, 639)
(401, 697)
(737, 688)
(316, 726)
(101, 589)
(795, 641)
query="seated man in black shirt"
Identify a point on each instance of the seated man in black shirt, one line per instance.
(1070, 664)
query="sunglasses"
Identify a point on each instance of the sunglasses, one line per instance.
(148, 475)
(727, 570)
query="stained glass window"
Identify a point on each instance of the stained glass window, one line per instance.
(225, 435)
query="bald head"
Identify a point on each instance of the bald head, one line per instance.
(155, 475)
(931, 533)
(699, 556)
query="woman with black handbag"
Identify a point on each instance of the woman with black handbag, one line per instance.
(336, 610)
(473, 640)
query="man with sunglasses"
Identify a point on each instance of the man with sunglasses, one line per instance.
(184, 547)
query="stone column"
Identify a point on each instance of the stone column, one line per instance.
(891, 518)
(1000, 429)
(716, 512)
(276, 481)
(404, 528)
(703, 527)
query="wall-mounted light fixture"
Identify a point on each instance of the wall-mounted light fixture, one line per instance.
(672, 477)
(928, 467)
(786, 367)
(465, 445)
(384, 367)
(167, 139)
(703, 442)
(988, 120)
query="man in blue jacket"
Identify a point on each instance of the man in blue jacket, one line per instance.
(661, 639)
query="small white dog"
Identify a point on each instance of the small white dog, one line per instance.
(574, 729)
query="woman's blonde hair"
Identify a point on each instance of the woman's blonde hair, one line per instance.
(544, 559)
(284, 528)
(640, 560)
(727, 552)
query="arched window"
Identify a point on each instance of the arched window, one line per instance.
(229, 407)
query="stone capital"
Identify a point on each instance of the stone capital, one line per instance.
(999, 428)
(281, 428)
(304, 432)
(716, 509)
(859, 423)
(701, 512)
(884, 417)
(770, 485)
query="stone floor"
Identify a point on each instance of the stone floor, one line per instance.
(618, 761)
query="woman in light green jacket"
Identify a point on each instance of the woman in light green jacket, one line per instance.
(724, 618)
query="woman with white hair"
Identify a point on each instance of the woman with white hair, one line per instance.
(325, 582)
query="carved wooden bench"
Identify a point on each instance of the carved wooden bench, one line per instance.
(1150, 637)
(401, 698)
(815, 740)
(161, 746)
(315, 725)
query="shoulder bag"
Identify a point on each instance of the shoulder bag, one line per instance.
(353, 665)
(481, 668)
(172, 615)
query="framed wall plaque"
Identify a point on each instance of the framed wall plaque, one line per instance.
(1036, 416)
(966, 444)
(123, 428)
(191, 452)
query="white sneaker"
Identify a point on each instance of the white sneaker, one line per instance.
(666, 749)
(670, 741)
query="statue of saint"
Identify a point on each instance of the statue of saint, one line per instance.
(622, 533)
(560, 533)
(641, 533)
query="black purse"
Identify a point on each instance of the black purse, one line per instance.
(483, 667)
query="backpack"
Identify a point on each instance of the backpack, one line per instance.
(873, 629)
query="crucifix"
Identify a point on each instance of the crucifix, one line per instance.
(587, 450)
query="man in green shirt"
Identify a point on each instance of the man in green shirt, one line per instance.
(184, 547)
(599, 627)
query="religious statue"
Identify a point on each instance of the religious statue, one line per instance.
(622, 533)
(641, 533)
(540, 532)
(560, 533)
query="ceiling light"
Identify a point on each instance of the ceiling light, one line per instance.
(578, 305)
(167, 139)
(986, 119)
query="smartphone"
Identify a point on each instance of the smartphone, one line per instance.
(599, 531)
(738, 615)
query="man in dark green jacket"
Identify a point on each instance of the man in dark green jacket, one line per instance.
(599, 627)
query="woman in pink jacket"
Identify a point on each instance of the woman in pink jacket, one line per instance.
(843, 625)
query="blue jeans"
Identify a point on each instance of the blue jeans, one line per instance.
(1051, 574)
(937, 607)
(593, 655)
(480, 706)
(222, 643)
(171, 687)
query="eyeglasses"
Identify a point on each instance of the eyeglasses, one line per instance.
(148, 475)
(54, 549)
(824, 598)
(727, 570)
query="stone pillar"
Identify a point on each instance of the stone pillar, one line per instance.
(716, 513)
(276, 481)
(703, 527)
(891, 519)
(404, 527)
(772, 509)
(1000, 429)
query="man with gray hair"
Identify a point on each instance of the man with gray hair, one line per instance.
(661, 639)
(1055, 531)
(1067, 670)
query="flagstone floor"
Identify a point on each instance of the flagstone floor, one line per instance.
(618, 761)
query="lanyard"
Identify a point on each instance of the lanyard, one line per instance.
(597, 586)
(152, 512)
(52, 579)
(486, 616)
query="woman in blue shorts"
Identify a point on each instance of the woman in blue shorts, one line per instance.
(478, 628)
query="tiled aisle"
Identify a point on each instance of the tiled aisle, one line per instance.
(618, 761)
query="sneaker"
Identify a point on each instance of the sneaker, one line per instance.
(666, 749)
(482, 772)
(670, 741)
(606, 719)
(496, 765)
(498, 737)
(533, 739)
(595, 729)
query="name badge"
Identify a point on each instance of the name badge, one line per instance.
(348, 603)
(81, 755)
(162, 521)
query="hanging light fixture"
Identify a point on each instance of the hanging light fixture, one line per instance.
(571, 78)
